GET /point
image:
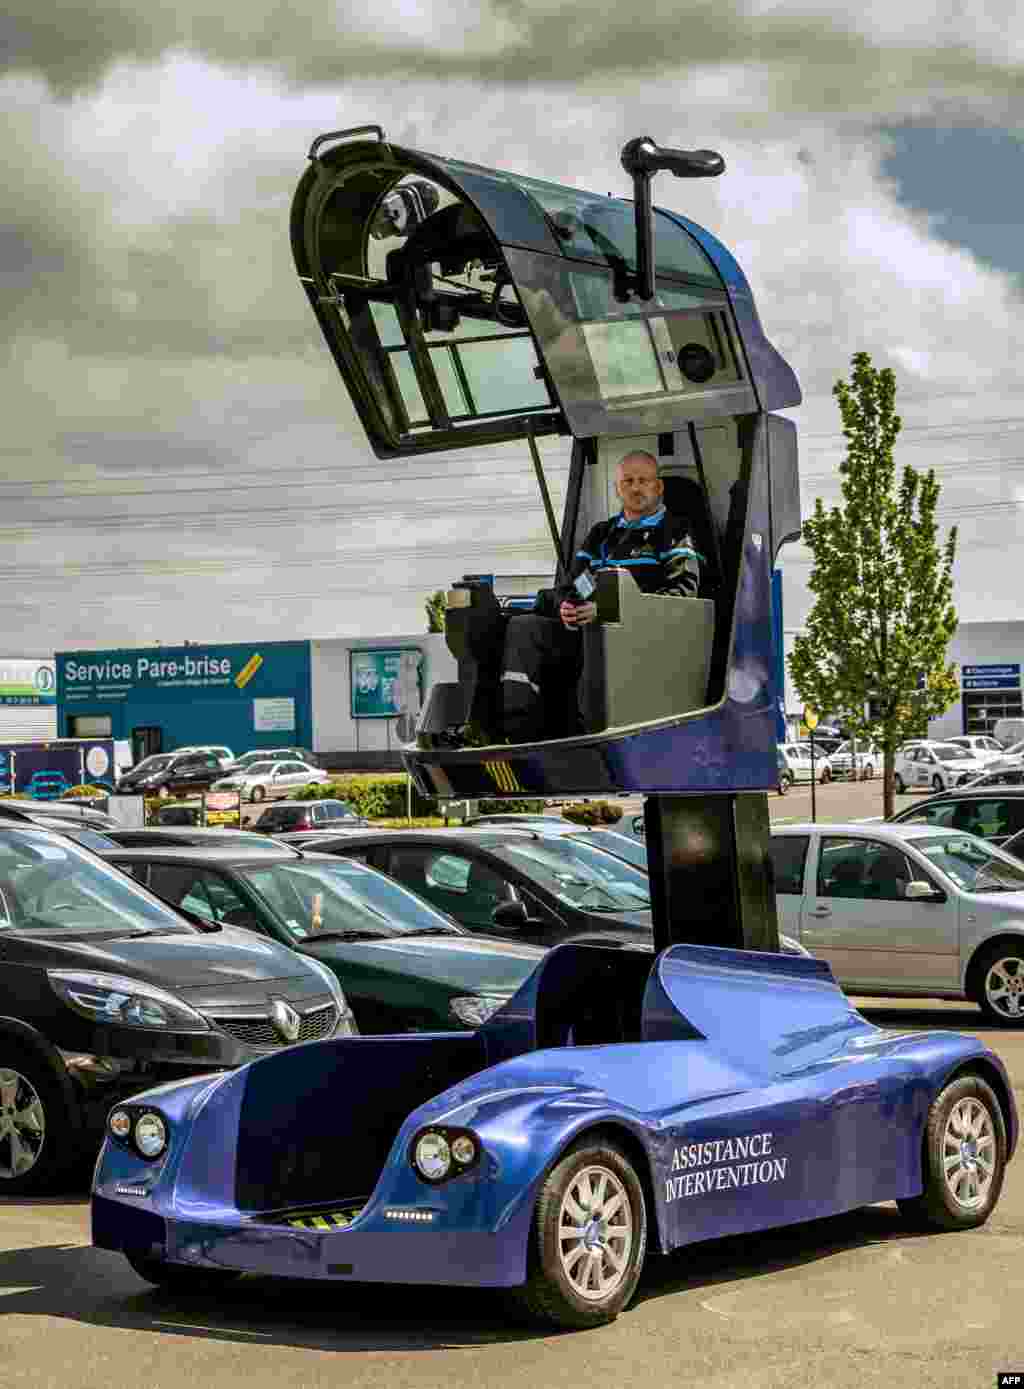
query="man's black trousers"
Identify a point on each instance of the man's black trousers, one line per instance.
(527, 670)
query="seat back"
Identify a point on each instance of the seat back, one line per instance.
(687, 499)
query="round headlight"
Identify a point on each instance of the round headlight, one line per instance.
(433, 1156)
(120, 1123)
(463, 1150)
(150, 1135)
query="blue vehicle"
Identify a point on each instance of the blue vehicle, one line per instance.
(47, 786)
(612, 1108)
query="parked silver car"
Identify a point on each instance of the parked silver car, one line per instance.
(899, 909)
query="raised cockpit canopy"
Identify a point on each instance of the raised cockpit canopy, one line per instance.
(464, 305)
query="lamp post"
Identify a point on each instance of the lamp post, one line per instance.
(810, 717)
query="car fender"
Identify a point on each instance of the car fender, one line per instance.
(34, 1041)
(1009, 930)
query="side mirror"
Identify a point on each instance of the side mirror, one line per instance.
(511, 915)
(642, 159)
(918, 891)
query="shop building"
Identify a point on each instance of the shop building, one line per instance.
(353, 696)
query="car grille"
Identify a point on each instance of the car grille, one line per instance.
(260, 1032)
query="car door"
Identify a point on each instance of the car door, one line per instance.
(789, 860)
(857, 919)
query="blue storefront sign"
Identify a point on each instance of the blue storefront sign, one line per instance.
(244, 695)
(999, 676)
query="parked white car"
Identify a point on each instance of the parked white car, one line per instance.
(263, 779)
(798, 760)
(979, 745)
(861, 765)
(901, 909)
(935, 766)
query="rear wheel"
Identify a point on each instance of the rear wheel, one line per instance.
(785, 782)
(936, 782)
(39, 1140)
(825, 775)
(178, 1277)
(589, 1238)
(868, 773)
(997, 983)
(258, 793)
(964, 1158)
(899, 784)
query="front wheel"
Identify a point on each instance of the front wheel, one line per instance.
(588, 1240)
(868, 773)
(936, 782)
(179, 1278)
(785, 782)
(258, 793)
(899, 784)
(964, 1158)
(825, 776)
(39, 1140)
(998, 983)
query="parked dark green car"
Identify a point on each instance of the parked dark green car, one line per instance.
(404, 966)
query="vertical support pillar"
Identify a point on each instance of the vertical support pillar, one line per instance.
(710, 871)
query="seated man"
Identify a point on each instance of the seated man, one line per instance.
(527, 670)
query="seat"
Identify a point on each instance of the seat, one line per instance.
(686, 498)
(648, 655)
(887, 877)
(846, 879)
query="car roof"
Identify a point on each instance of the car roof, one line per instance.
(238, 856)
(852, 829)
(304, 805)
(491, 834)
(1012, 791)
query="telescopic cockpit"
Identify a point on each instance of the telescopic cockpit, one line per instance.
(466, 306)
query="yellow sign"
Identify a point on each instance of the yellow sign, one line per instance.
(503, 776)
(250, 668)
(810, 717)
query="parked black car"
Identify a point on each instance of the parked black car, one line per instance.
(105, 991)
(184, 837)
(173, 772)
(308, 815)
(521, 884)
(38, 812)
(995, 813)
(404, 967)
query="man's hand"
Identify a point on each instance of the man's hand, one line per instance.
(577, 614)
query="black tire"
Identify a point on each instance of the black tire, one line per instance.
(936, 782)
(553, 1294)
(47, 1130)
(785, 782)
(899, 784)
(257, 793)
(947, 1201)
(177, 1277)
(825, 776)
(868, 774)
(983, 985)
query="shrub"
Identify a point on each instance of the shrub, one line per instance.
(375, 797)
(83, 792)
(593, 812)
(510, 808)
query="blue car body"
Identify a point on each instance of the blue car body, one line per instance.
(744, 1088)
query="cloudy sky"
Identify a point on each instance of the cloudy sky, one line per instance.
(179, 458)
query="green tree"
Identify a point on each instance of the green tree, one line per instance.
(435, 608)
(874, 648)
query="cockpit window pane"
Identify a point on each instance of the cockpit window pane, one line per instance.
(501, 375)
(623, 357)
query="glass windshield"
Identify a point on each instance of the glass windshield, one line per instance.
(49, 885)
(972, 864)
(153, 764)
(342, 898)
(579, 874)
(618, 844)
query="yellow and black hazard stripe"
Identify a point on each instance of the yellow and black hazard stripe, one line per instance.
(323, 1220)
(503, 776)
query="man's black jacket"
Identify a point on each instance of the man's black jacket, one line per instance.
(657, 550)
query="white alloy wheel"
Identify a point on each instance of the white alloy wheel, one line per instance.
(22, 1126)
(969, 1153)
(1003, 988)
(595, 1233)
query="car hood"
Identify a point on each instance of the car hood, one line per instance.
(233, 966)
(467, 964)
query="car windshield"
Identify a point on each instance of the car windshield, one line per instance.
(950, 754)
(153, 764)
(342, 899)
(621, 845)
(972, 864)
(580, 875)
(49, 885)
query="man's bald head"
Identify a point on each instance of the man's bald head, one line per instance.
(637, 485)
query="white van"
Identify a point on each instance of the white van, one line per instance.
(1008, 731)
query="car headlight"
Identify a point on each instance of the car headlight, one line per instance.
(440, 1152)
(150, 1134)
(331, 980)
(474, 1010)
(108, 998)
(433, 1157)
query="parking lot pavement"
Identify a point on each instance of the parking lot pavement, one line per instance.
(852, 1301)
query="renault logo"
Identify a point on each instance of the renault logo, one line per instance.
(285, 1019)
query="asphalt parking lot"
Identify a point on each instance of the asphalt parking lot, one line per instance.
(850, 1301)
